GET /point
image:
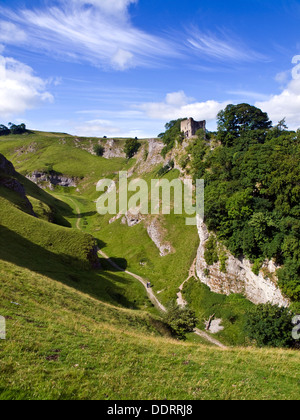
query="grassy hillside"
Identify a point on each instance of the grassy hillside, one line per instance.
(66, 155)
(74, 332)
(63, 254)
(63, 344)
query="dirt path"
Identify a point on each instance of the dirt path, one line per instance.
(149, 291)
(180, 301)
(77, 211)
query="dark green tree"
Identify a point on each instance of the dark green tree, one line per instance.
(172, 133)
(4, 131)
(131, 147)
(240, 120)
(270, 325)
(180, 320)
(17, 129)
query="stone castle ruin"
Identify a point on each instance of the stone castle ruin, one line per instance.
(189, 127)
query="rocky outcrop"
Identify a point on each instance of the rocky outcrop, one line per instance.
(113, 150)
(51, 179)
(156, 233)
(150, 156)
(239, 277)
(132, 218)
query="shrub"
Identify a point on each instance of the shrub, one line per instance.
(165, 169)
(99, 150)
(270, 325)
(131, 147)
(211, 252)
(180, 320)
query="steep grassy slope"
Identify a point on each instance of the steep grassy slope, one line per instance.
(63, 254)
(63, 344)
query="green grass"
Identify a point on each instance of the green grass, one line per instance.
(59, 152)
(62, 254)
(79, 333)
(231, 309)
(141, 256)
(63, 344)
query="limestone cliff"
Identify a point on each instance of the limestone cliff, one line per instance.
(238, 276)
(51, 179)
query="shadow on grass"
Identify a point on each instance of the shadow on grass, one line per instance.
(102, 285)
(119, 262)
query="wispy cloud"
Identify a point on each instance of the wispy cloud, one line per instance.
(98, 31)
(246, 94)
(222, 46)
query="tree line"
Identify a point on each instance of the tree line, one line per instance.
(12, 129)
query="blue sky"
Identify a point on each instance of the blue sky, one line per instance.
(126, 67)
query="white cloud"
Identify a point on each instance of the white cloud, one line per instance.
(97, 31)
(222, 47)
(122, 59)
(20, 89)
(178, 105)
(10, 33)
(97, 128)
(286, 104)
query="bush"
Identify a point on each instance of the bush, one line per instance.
(99, 150)
(180, 320)
(211, 252)
(170, 136)
(270, 325)
(165, 169)
(131, 147)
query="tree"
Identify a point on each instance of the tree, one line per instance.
(4, 131)
(172, 133)
(238, 120)
(99, 150)
(270, 325)
(17, 129)
(180, 320)
(131, 147)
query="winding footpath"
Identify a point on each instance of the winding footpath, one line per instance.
(151, 295)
